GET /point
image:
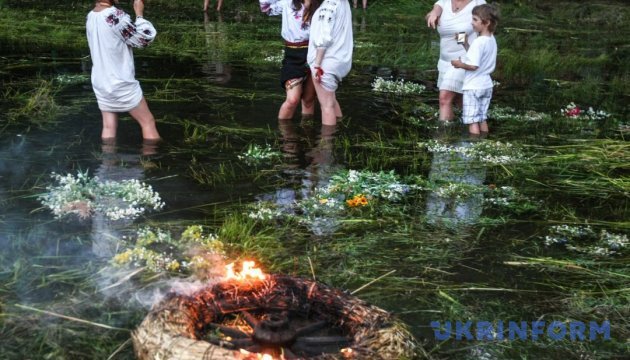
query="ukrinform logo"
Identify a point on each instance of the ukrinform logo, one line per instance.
(520, 330)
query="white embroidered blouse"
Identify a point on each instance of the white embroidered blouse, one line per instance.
(331, 28)
(111, 36)
(293, 28)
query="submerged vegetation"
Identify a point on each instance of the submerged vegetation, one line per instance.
(529, 223)
(36, 106)
(256, 154)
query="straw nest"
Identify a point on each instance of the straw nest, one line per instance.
(173, 329)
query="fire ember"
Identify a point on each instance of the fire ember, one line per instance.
(269, 317)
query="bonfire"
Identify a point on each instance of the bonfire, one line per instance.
(253, 315)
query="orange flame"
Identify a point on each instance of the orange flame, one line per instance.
(255, 356)
(249, 271)
(346, 353)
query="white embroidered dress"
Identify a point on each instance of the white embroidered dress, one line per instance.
(111, 36)
(331, 28)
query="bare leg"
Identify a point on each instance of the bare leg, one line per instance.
(328, 132)
(149, 147)
(143, 116)
(219, 4)
(364, 4)
(483, 126)
(110, 124)
(108, 145)
(290, 140)
(338, 113)
(459, 100)
(328, 102)
(205, 5)
(354, 3)
(446, 105)
(308, 97)
(291, 102)
(473, 128)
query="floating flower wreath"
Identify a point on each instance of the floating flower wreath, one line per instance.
(574, 111)
(84, 196)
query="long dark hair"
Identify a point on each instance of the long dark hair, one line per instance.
(308, 13)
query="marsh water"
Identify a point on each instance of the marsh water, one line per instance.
(213, 86)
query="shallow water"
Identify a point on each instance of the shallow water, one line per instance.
(449, 255)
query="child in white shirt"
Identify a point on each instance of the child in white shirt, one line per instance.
(479, 63)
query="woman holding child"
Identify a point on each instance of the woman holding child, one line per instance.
(451, 17)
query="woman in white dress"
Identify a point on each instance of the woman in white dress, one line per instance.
(330, 54)
(111, 36)
(451, 17)
(294, 75)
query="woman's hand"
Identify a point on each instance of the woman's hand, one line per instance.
(457, 63)
(432, 19)
(317, 72)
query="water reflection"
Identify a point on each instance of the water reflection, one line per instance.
(116, 166)
(450, 171)
(308, 164)
(318, 172)
(215, 68)
(321, 159)
(293, 147)
(358, 24)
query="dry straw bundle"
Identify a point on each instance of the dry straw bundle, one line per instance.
(175, 327)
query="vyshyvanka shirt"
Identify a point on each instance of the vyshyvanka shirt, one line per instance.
(111, 36)
(294, 30)
(331, 28)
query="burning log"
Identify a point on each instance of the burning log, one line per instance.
(280, 316)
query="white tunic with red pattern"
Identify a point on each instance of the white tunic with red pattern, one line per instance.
(111, 36)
